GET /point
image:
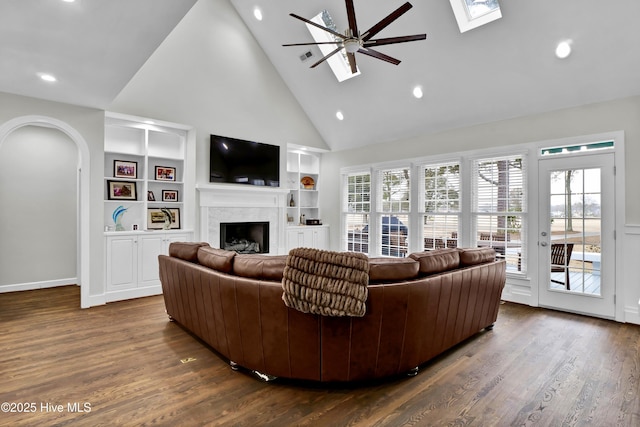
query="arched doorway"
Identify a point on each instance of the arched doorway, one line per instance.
(83, 188)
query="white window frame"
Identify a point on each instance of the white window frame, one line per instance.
(465, 22)
(346, 173)
(447, 241)
(379, 212)
(475, 214)
(467, 229)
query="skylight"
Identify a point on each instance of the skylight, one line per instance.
(471, 14)
(339, 63)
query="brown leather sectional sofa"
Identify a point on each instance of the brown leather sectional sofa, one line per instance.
(417, 307)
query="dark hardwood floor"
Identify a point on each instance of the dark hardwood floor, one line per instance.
(126, 364)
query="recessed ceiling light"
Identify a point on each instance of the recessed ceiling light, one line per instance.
(563, 49)
(257, 13)
(68, 1)
(47, 77)
(339, 115)
(417, 92)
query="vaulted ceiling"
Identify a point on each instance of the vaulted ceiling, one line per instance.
(92, 47)
(502, 70)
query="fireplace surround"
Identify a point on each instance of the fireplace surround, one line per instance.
(228, 203)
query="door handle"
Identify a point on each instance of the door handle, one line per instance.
(543, 243)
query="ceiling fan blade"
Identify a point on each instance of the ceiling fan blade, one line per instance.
(352, 62)
(329, 30)
(327, 57)
(386, 21)
(312, 43)
(393, 40)
(351, 14)
(379, 55)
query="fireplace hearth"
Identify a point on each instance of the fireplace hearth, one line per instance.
(245, 237)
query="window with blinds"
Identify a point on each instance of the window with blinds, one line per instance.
(441, 205)
(499, 207)
(356, 212)
(393, 208)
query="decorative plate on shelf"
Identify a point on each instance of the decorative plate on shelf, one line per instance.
(307, 182)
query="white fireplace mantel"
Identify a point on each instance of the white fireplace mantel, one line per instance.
(240, 203)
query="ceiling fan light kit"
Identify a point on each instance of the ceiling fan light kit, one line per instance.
(352, 41)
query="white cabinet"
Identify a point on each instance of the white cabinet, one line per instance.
(303, 174)
(310, 236)
(131, 265)
(148, 168)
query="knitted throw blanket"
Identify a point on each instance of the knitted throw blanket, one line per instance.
(325, 282)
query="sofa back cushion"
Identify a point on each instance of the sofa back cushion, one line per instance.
(259, 266)
(473, 256)
(392, 269)
(437, 261)
(187, 251)
(217, 259)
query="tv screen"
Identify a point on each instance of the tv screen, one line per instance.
(244, 162)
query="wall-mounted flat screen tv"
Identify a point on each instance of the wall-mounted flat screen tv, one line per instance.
(239, 161)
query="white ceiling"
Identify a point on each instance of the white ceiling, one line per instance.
(93, 47)
(502, 70)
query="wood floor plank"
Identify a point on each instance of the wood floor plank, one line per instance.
(133, 367)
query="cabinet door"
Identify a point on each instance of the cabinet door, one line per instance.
(320, 238)
(295, 238)
(122, 261)
(151, 246)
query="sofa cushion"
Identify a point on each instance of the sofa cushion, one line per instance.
(217, 259)
(259, 266)
(473, 256)
(437, 261)
(392, 269)
(187, 251)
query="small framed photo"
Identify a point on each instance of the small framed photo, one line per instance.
(169, 195)
(165, 173)
(158, 218)
(121, 190)
(125, 169)
(150, 196)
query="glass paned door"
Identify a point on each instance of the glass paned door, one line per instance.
(576, 238)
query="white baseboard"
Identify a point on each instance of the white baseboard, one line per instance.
(95, 300)
(632, 315)
(133, 293)
(38, 285)
(517, 294)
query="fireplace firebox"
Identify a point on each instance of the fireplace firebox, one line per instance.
(245, 237)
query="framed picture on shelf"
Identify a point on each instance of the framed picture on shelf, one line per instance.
(121, 190)
(125, 169)
(163, 218)
(169, 195)
(165, 173)
(150, 196)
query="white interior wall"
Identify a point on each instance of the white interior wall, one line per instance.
(218, 80)
(38, 189)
